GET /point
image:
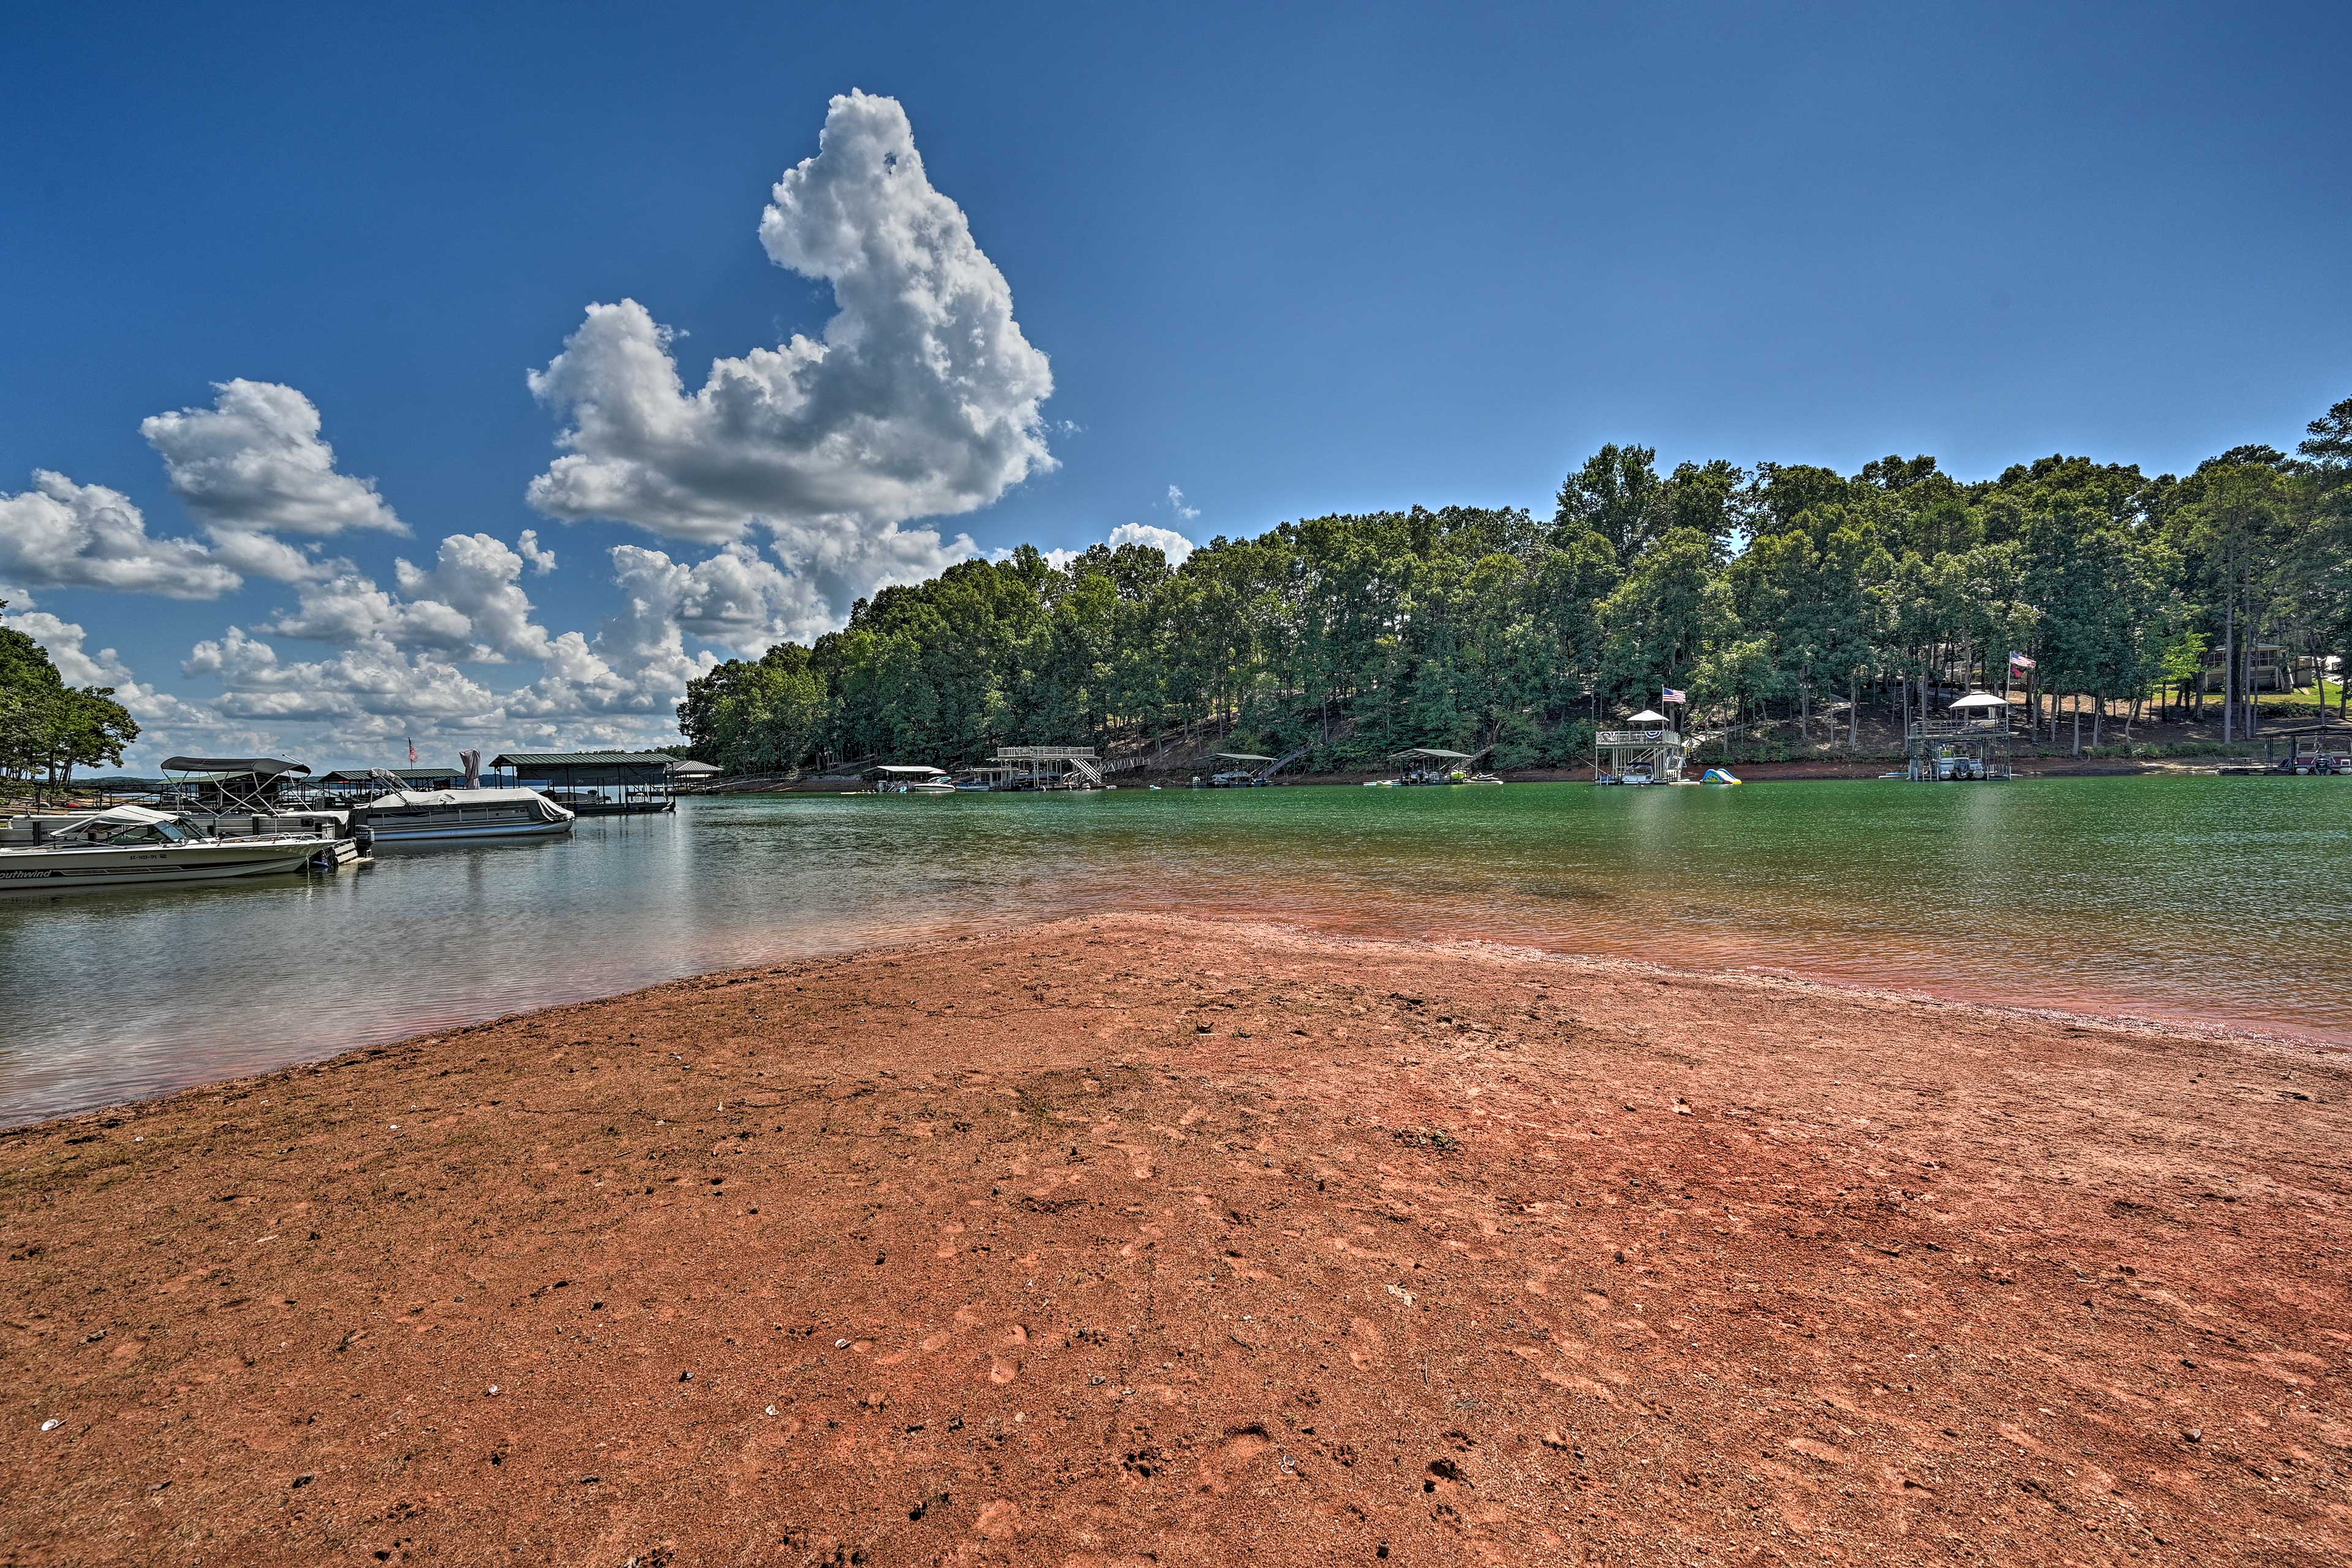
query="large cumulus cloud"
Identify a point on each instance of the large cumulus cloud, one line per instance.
(60, 534)
(921, 399)
(255, 467)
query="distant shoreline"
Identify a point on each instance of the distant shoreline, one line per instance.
(1864, 768)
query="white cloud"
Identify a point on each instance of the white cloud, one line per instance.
(1167, 540)
(638, 661)
(64, 640)
(367, 692)
(263, 555)
(253, 466)
(60, 534)
(527, 546)
(921, 399)
(1176, 504)
(470, 603)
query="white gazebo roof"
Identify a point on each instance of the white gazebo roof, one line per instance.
(1647, 716)
(1981, 699)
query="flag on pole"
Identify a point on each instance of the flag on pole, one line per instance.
(1671, 695)
(411, 751)
(2019, 664)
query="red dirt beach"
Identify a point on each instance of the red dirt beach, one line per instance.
(1137, 1240)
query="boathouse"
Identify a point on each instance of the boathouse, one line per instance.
(1040, 767)
(1974, 738)
(1649, 751)
(595, 784)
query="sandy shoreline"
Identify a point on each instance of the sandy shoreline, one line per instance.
(1134, 1239)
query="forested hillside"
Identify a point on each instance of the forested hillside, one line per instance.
(1781, 593)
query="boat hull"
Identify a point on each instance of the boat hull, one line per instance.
(468, 832)
(74, 871)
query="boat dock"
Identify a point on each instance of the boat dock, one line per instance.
(1973, 740)
(1040, 768)
(1651, 751)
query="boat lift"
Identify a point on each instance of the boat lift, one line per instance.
(1436, 766)
(1243, 770)
(896, 778)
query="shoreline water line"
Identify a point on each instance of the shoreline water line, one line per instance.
(2192, 902)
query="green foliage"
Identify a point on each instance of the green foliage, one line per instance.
(48, 728)
(1774, 596)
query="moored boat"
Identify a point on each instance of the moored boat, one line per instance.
(442, 815)
(132, 844)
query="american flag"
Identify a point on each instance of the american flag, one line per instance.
(411, 751)
(1671, 695)
(2019, 664)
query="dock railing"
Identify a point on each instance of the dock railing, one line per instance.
(1960, 729)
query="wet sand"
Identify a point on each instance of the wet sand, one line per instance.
(1135, 1240)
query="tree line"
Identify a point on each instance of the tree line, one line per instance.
(1785, 595)
(46, 728)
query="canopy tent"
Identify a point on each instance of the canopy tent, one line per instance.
(905, 771)
(686, 768)
(1978, 700)
(1647, 716)
(1433, 753)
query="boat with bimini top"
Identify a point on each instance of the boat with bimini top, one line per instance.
(133, 845)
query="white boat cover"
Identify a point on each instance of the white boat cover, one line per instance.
(119, 815)
(424, 799)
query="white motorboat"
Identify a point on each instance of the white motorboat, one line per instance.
(442, 815)
(130, 844)
(896, 779)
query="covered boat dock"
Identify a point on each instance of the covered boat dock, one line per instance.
(1241, 770)
(2324, 748)
(1040, 768)
(1649, 751)
(1971, 741)
(595, 784)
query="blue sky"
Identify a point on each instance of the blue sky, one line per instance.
(1288, 264)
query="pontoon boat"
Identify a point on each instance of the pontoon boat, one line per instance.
(439, 815)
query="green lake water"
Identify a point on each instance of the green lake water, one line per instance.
(2201, 899)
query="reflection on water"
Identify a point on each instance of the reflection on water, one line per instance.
(2211, 898)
